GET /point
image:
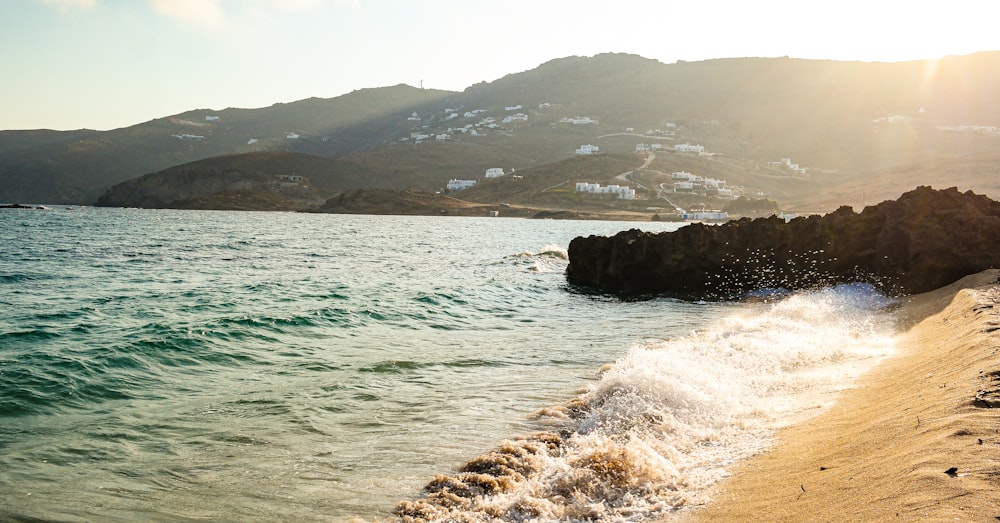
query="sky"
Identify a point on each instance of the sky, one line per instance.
(105, 64)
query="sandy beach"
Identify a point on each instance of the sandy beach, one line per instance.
(910, 442)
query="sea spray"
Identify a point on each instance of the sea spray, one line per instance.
(658, 428)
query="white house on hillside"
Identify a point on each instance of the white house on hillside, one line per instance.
(688, 148)
(623, 191)
(704, 215)
(588, 149)
(786, 163)
(458, 185)
(494, 172)
(579, 120)
(516, 117)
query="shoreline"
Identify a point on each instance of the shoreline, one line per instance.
(909, 441)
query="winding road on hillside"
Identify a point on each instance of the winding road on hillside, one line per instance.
(626, 177)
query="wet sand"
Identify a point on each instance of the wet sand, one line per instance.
(910, 442)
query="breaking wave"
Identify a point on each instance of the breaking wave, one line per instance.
(659, 427)
(551, 258)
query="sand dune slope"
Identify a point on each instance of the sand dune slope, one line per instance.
(911, 442)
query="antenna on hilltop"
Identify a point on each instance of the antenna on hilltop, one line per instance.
(421, 84)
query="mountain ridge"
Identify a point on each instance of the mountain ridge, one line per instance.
(846, 121)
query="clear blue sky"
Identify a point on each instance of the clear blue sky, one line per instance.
(103, 64)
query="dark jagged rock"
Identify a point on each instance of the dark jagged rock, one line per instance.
(924, 240)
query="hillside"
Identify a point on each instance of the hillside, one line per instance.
(77, 166)
(251, 181)
(855, 127)
(553, 185)
(423, 203)
(386, 201)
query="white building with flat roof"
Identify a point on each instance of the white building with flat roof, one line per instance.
(458, 185)
(688, 148)
(704, 215)
(579, 120)
(623, 191)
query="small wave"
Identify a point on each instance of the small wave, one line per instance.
(551, 258)
(405, 366)
(394, 367)
(440, 299)
(20, 277)
(48, 383)
(548, 251)
(28, 335)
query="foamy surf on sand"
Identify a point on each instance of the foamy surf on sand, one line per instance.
(659, 427)
(912, 442)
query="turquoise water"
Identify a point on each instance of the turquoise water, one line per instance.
(226, 366)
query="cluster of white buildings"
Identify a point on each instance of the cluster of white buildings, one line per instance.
(484, 122)
(488, 122)
(690, 149)
(458, 185)
(687, 182)
(588, 149)
(468, 129)
(647, 147)
(623, 191)
(786, 163)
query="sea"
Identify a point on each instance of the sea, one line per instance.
(164, 365)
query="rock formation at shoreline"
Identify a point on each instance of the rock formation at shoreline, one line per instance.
(924, 240)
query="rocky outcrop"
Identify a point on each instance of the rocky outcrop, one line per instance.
(924, 240)
(400, 202)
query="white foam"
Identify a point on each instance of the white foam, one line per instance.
(659, 427)
(551, 258)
